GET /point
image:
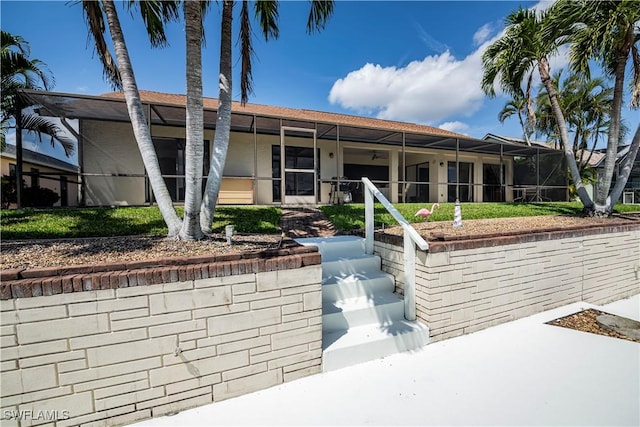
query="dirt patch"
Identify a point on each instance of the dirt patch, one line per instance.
(585, 321)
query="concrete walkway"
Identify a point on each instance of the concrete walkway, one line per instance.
(521, 373)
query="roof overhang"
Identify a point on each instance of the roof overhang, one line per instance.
(102, 108)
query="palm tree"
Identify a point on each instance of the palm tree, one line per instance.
(155, 14)
(194, 149)
(19, 72)
(606, 31)
(122, 76)
(513, 58)
(517, 105)
(586, 104)
(267, 14)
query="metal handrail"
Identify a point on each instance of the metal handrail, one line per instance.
(411, 240)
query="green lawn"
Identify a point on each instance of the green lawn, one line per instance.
(99, 222)
(349, 217)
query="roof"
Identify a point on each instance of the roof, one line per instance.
(169, 110)
(514, 140)
(39, 159)
(292, 113)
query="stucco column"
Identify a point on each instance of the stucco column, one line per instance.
(393, 176)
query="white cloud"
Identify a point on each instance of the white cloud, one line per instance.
(455, 126)
(483, 34)
(426, 91)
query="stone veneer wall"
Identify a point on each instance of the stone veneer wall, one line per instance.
(110, 344)
(467, 285)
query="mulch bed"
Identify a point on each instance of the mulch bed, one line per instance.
(585, 321)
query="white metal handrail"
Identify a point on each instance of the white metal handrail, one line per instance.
(411, 240)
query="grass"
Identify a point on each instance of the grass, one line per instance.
(123, 221)
(349, 217)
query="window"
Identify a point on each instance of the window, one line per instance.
(171, 158)
(12, 170)
(462, 182)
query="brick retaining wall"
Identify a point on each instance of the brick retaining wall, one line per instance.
(107, 345)
(470, 284)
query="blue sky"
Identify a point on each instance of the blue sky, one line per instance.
(416, 61)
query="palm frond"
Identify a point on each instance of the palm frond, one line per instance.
(155, 14)
(321, 11)
(266, 11)
(95, 24)
(39, 125)
(246, 53)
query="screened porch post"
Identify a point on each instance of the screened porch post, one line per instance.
(457, 171)
(538, 196)
(255, 159)
(404, 169)
(18, 153)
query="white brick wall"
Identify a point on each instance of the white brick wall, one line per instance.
(459, 291)
(109, 357)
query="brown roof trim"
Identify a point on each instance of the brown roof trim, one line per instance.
(292, 113)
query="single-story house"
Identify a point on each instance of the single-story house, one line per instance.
(289, 156)
(40, 170)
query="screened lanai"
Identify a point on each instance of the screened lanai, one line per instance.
(290, 156)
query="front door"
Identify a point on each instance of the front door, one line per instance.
(298, 163)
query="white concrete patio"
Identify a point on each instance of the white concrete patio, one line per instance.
(521, 373)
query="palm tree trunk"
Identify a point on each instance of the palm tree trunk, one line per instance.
(623, 176)
(223, 122)
(139, 123)
(543, 68)
(604, 203)
(194, 150)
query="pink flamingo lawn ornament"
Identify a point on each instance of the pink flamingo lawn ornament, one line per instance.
(426, 213)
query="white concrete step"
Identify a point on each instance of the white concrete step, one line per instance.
(336, 288)
(364, 343)
(335, 247)
(355, 264)
(379, 309)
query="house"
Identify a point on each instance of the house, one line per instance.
(40, 170)
(286, 156)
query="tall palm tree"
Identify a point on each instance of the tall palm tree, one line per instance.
(267, 14)
(606, 31)
(19, 72)
(586, 104)
(513, 58)
(121, 75)
(194, 148)
(155, 14)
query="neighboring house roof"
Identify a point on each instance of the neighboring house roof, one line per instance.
(292, 113)
(596, 158)
(36, 158)
(514, 140)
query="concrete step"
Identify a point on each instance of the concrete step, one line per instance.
(369, 342)
(346, 266)
(379, 309)
(336, 288)
(335, 247)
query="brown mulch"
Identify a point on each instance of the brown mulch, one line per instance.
(295, 223)
(585, 321)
